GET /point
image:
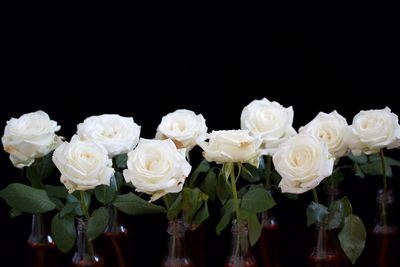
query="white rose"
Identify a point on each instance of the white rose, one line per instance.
(331, 128)
(183, 127)
(373, 130)
(116, 133)
(303, 161)
(83, 164)
(231, 146)
(30, 136)
(157, 167)
(270, 121)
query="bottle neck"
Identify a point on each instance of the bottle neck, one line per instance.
(269, 219)
(84, 247)
(240, 239)
(384, 202)
(176, 239)
(324, 242)
(39, 234)
(114, 225)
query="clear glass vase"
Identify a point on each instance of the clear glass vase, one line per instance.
(41, 247)
(270, 240)
(324, 252)
(240, 254)
(114, 242)
(176, 255)
(85, 255)
(383, 241)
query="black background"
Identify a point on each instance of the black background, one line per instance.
(144, 60)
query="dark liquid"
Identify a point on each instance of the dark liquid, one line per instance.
(385, 249)
(97, 262)
(195, 246)
(247, 263)
(42, 255)
(328, 261)
(114, 247)
(270, 242)
(177, 263)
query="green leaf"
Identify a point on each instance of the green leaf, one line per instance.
(227, 169)
(75, 199)
(27, 199)
(347, 208)
(191, 202)
(372, 168)
(134, 205)
(209, 184)
(357, 170)
(250, 173)
(97, 223)
(352, 237)
(63, 232)
(336, 215)
(203, 167)
(120, 161)
(316, 213)
(253, 225)
(227, 212)
(56, 191)
(275, 178)
(68, 208)
(358, 159)
(59, 203)
(223, 189)
(106, 194)
(257, 200)
(202, 215)
(41, 168)
(175, 208)
(13, 213)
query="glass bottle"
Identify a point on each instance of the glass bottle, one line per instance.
(240, 255)
(41, 247)
(324, 252)
(114, 243)
(195, 238)
(176, 256)
(383, 242)
(85, 255)
(270, 240)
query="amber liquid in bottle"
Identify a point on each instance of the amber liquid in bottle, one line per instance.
(383, 241)
(114, 242)
(270, 240)
(42, 251)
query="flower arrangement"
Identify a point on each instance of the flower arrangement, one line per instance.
(106, 164)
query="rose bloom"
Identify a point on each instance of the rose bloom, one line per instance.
(373, 130)
(183, 127)
(29, 137)
(231, 146)
(117, 134)
(303, 161)
(270, 121)
(331, 128)
(83, 164)
(157, 167)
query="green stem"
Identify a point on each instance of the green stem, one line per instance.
(315, 195)
(269, 168)
(384, 216)
(234, 192)
(83, 205)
